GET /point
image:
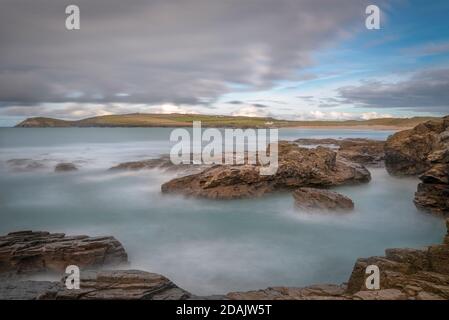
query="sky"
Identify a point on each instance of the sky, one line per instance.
(288, 59)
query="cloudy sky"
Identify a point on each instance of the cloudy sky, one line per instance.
(291, 59)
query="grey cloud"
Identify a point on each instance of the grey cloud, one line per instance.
(157, 51)
(425, 91)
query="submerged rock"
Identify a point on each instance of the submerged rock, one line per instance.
(24, 165)
(28, 252)
(65, 166)
(318, 199)
(297, 167)
(162, 163)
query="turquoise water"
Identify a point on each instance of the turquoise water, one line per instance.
(206, 247)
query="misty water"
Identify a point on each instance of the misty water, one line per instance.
(205, 247)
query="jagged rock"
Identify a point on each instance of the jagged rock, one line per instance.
(27, 252)
(363, 151)
(412, 271)
(423, 150)
(120, 285)
(65, 166)
(297, 167)
(411, 152)
(318, 199)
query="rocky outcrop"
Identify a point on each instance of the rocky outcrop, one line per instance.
(311, 199)
(163, 163)
(405, 274)
(65, 166)
(364, 151)
(297, 167)
(424, 150)
(433, 191)
(28, 252)
(120, 285)
(412, 152)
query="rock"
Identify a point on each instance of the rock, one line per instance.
(163, 163)
(410, 152)
(316, 292)
(27, 290)
(297, 167)
(387, 294)
(318, 199)
(24, 165)
(65, 166)
(405, 274)
(363, 151)
(27, 252)
(433, 198)
(423, 150)
(120, 285)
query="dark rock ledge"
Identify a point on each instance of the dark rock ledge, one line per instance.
(405, 274)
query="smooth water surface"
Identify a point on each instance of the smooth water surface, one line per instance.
(206, 247)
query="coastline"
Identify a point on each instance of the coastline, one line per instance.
(354, 127)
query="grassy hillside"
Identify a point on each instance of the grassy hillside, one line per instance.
(183, 120)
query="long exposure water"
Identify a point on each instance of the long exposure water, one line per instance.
(206, 247)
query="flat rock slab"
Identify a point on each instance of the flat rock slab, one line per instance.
(121, 285)
(28, 252)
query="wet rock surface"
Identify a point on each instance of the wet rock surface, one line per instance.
(312, 199)
(298, 167)
(28, 252)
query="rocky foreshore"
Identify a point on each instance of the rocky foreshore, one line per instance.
(405, 274)
(27, 252)
(423, 151)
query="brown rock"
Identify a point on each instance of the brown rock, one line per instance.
(298, 167)
(121, 285)
(407, 152)
(362, 151)
(316, 292)
(27, 252)
(318, 199)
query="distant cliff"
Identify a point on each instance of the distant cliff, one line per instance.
(184, 120)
